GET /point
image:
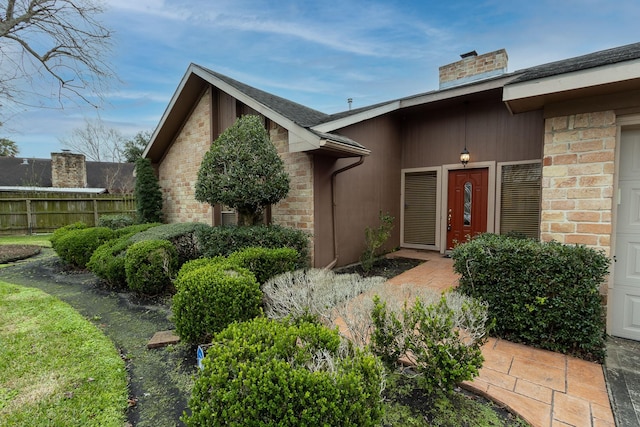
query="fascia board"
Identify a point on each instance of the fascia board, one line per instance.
(576, 80)
(456, 92)
(357, 118)
(167, 110)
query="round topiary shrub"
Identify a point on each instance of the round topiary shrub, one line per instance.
(209, 298)
(273, 373)
(150, 265)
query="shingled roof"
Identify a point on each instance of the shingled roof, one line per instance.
(25, 172)
(298, 113)
(579, 63)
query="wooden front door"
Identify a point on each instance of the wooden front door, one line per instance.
(467, 204)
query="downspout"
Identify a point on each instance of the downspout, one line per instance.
(333, 210)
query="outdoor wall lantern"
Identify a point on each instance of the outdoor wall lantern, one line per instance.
(464, 156)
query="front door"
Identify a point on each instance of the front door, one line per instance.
(626, 287)
(467, 204)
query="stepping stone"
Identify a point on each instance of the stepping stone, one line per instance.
(163, 339)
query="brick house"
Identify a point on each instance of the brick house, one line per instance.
(553, 152)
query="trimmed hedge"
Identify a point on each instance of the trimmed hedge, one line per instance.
(183, 236)
(543, 294)
(107, 261)
(225, 240)
(60, 232)
(213, 296)
(115, 222)
(271, 373)
(76, 246)
(150, 265)
(266, 263)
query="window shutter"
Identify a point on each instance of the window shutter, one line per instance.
(521, 198)
(420, 208)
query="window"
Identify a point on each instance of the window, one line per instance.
(420, 207)
(468, 191)
(521, 192)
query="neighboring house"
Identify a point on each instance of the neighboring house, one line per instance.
(554, 152)
(66, 171)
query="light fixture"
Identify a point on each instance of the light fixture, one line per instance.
(464, 157)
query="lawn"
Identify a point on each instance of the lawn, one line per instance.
(34, 239)
(56, 368)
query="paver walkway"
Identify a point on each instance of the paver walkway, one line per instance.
(547, 389)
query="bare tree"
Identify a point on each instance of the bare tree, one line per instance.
(99, 143)
(53, 51)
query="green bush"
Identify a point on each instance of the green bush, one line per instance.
(131, 230)
(150, 265)
(115, 222)
(195, 264)
(107, 261)
(270, 373)
(211, 297)
(60, 232)
(266, 263)
(225, 240)
(183, 236)
(441, 339)
(147, 192)
(374, 239)
(541, 294)
(75, 247)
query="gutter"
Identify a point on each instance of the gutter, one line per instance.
(333, 210)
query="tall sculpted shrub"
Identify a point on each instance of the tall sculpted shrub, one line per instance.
(242, 170)
(148, 194)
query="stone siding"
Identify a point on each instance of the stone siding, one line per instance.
(68, 170)
(178, 170)
(488, 64)
(577, 179)
(297, 210)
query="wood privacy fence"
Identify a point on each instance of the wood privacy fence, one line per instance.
(28, 212)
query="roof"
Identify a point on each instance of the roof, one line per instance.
(597, 74)
(31, 172)
(53, 190)
(606, 71)
(294, 117)
(597, 59)
(298, 113)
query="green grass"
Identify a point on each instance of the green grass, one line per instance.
(34, 239)
(56, 368)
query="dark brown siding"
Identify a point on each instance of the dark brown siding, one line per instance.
(433, 137)
(361, 193)
(423, 136)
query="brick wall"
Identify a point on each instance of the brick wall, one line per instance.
(297, 209)
(485, 65)
(178, 171)
(577, 179)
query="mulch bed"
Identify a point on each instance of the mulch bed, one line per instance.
(12, 253)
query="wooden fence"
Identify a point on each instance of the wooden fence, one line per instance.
(28, 212)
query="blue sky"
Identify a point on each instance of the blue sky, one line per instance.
(318, 53)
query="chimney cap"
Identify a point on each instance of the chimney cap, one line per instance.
(469, 54)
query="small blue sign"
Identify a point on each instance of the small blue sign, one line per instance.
(200, 356)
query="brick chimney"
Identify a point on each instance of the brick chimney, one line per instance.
(473, 67)
(68, 170)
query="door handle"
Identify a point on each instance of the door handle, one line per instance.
(449, 221)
